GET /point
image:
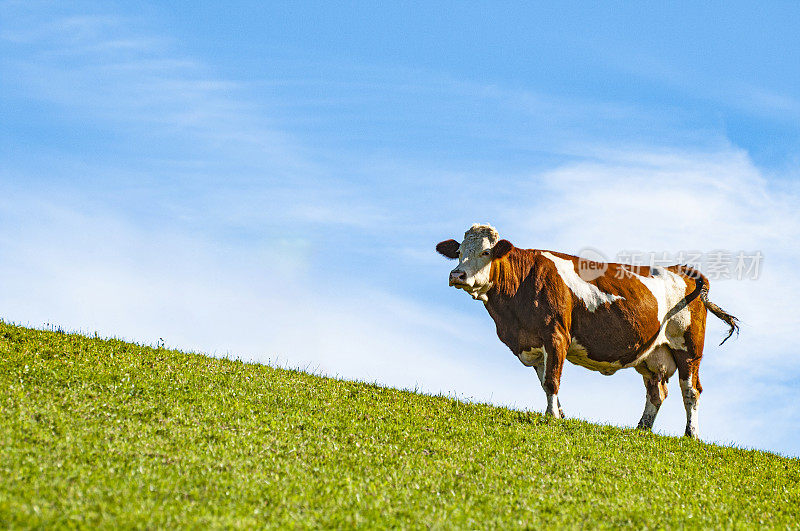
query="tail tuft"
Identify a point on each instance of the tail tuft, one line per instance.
(732, 321)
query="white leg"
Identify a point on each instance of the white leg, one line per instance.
(553, 404)
(690, 396)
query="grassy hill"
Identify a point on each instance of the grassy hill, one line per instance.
(106, 433)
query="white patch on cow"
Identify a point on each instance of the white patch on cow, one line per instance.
(590, 294)
(532, 357)
(475, 261)
(669, 289)
(660, 361)
(690, 396)
(540, 372)
(655, 283)
(544, 367)
(552, 406)
(578, 355)
(479, 294)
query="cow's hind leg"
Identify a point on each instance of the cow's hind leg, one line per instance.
(655, 370)
(690, 389)
(656, 393)
(688, 361)
(688, 366)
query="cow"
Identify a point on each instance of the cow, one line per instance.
(550, 306)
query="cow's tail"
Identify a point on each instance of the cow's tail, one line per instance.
(702, 285)
(731, 321)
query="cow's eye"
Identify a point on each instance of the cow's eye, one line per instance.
(485, 253)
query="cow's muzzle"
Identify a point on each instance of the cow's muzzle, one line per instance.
(458, 278)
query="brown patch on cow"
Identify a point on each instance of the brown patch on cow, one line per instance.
(630, 324)
(533, 307)
(528, 284)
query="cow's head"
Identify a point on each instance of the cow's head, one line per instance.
(473, 273)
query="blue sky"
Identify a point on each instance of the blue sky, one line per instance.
(269, 180)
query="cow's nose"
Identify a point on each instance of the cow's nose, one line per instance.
(457, 276)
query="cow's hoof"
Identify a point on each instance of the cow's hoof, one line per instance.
(646, 423)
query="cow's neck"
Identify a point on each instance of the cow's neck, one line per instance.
(504, 313)
(508, 311)
(498, 304)
(510, 275)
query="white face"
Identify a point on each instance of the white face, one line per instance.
(473, 272)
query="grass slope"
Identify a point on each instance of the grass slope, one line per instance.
(106, 433)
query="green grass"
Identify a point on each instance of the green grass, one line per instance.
(106, 433)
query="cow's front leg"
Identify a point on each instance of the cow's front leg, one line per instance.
(540, 373)
(555, 351)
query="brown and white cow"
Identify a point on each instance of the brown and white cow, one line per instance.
(548, 309)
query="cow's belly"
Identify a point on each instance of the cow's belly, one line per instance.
(578, 355)
(658, 359)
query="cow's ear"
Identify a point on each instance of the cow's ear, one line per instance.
(501, 248)
(448, 248)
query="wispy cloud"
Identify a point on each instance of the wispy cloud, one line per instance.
(731, 90)
(166, 118)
